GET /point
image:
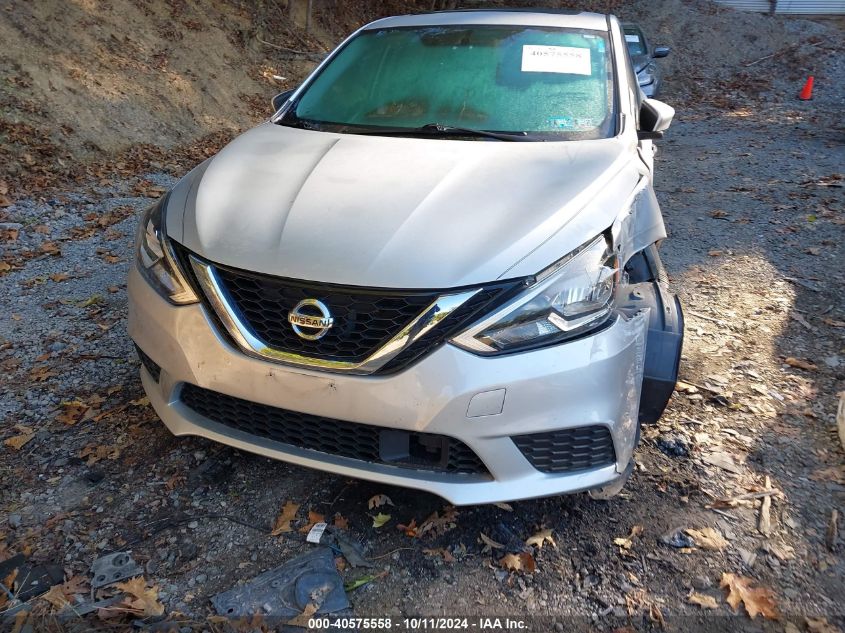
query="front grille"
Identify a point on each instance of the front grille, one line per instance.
(365, 319)
(568, 450)
(365, 442)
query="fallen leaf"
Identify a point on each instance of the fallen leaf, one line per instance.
(364, 580)
(685, 387)
(380, 520)
(94, 453)
(442, 552)
(410, 529)
(800, 363)
(438, 524)
(540, 538)
(49, 248)
(313, 518)
(757, 600)
(42, 373)
(833, 322)
(8, 235)
(705, 602)
(708, 538)
(57, 277)
(5, 267)
(64, 593)
(302, 619)
(718, 213)
(141, 600)
(522, 562)
(831, 473)
(287, 515)
(820, 625)
(379, 500)
(341, 522)
(715, 253)
(8, 581)
(627, 541)
(90, 301)
(73, 411)
(489, 543)
(16, 442)
(504, 506)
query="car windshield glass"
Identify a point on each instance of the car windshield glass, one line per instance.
(634, 40)
(554, 84)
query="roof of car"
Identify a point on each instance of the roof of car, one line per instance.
(507, 17)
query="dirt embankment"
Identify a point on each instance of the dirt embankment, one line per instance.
(85, 79)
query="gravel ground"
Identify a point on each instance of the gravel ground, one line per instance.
(751, 187)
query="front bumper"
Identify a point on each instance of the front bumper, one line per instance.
(594, 381)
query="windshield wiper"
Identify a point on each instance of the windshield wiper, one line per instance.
(438, 129)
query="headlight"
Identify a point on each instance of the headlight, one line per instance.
(567, 299)
(155, 258)
(646, 75)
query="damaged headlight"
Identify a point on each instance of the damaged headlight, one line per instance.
(646, 75)
(155, 258)
(567, 299)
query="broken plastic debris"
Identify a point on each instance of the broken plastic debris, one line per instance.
(286, 590)
(114, 568)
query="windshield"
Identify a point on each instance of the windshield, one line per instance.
(634, 40)
(554, 84)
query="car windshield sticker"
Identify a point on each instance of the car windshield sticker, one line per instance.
(556, 59)
(634, 39)
(578, 124)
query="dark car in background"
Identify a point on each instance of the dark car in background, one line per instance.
(643, 56)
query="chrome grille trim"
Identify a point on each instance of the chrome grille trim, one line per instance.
(251, 344)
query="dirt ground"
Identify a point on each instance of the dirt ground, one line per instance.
(750, 181)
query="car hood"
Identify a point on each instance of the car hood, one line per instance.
(640, 62)
(388, 211)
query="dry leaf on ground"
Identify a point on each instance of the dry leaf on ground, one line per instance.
(16, 442)
(377, 501)
(757, 600)
(489, 543)
(540, 538)
(820, 625)
(504, 506)
(287, 515)
(521, 562)
(627, 541)
(313, 518)
(447, 556)
(708, 538)
(800, 363)
(141, 600)
(73, 411)
(63, 594)
(438, 524)
(410, 529)
(703, 601)
(302, 619)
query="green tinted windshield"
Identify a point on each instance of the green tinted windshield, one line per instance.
(552, 83)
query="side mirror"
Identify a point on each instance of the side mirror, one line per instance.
(279, 100)
(655, 118)
(660, 51)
